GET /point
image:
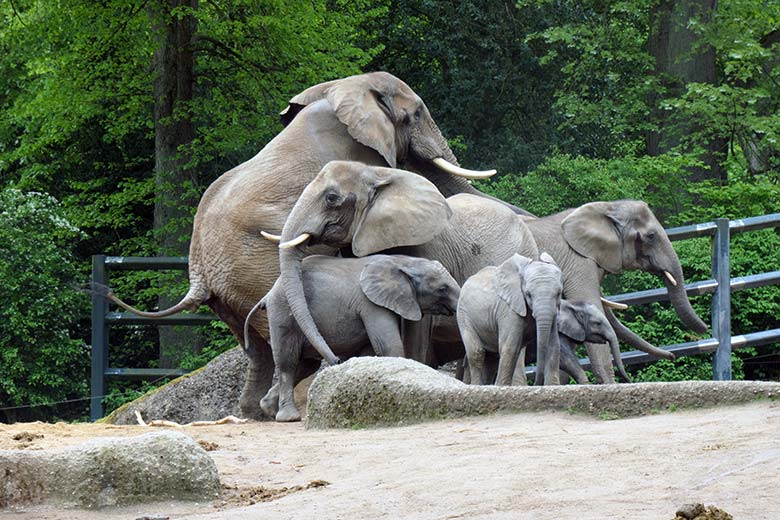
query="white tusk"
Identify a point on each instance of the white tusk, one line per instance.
(614, 305)
(300, 239)
(462, 172)
(670, 278)
(270, 237)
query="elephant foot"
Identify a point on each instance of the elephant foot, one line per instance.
(248, 404)
(288, 414)
(270, 403)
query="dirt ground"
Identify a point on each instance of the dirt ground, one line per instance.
(540, 465)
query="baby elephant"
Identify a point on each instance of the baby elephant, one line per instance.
(579, 322)
(354, 302)
(497, 306)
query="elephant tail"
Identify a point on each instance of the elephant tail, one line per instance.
(197, 294)
(262, 304)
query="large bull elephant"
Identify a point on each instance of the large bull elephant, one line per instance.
(376, 209)
(374, 118)
(608, 237)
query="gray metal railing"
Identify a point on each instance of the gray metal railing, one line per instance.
(722, 285)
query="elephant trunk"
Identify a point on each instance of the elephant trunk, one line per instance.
(290, 263)
(615, 348)
(628, 336)
(548, 349)
(680, 301)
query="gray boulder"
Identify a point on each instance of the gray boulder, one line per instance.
(110, 471)
(207, 394)
(390, 391)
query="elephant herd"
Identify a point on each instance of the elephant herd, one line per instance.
(384, 247)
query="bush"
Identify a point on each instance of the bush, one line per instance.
(41, 357)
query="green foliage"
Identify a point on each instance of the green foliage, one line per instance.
(42, 358)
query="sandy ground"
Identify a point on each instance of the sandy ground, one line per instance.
(540, 465)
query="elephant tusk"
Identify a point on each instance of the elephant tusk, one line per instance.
(300, 239)
(614, 305)
(462, 172)
(670, 278)
(270, 237)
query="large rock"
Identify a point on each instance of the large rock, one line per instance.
(155, 466)
(208, 394)
(389, 391)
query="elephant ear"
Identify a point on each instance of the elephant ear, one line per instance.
(508, 282)
(366, 112)
(592, 230)
(386, 284)
(404, 209)
(569, 323)
(307, 97)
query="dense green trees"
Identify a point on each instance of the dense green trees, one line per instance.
(672, 102)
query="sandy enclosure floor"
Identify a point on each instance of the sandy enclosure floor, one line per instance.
(540, 465)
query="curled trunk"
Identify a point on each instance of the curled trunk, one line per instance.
(615, 348)
(628, 336)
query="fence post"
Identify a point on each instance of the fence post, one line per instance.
(99, 340)
(721, 301)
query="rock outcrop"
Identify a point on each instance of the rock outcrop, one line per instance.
(162, 465)
(389, 391)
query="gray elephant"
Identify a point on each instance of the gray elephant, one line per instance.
(354, 302)
(374, 209)
(608, 237)
(578, 322)
(374, 118)
(497, 307)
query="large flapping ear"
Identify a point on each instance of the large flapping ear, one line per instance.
(569, 322)
(366, 110)
(592, 231)
(307, 97)
(508, 282)
(404, 209)
(387, 285)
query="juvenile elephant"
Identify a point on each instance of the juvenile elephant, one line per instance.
(354, 302)
(374, 118)
(372, 209)
(579, 322)
(607, 237)
(499, 304)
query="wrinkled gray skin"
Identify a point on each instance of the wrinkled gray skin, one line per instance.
(601, 237)
(353, 301)
(579, 322)
(499, 305)
(374, 118)
(373, 209)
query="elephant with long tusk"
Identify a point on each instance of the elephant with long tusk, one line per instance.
(373, 118)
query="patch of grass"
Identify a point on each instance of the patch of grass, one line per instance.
(606, 415)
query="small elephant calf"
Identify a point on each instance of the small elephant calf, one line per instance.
(499, 305)
(354, 302)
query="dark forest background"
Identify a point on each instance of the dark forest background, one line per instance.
(116, 115)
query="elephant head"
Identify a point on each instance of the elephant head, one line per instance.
(410, 286)
(535, 285)
(625, 234)
(371, 208)
(381, 111)
(580, 322)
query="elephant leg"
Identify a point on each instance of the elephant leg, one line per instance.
(509, 339)
(475, 354)
(570, 365)
(601, 362)
(287, 354)
(518, 377)
(270, 403)
(260, 372)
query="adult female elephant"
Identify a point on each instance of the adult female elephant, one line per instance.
(378, 209)
(374, 118)
(601, 237)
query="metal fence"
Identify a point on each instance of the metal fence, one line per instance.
(721, 284)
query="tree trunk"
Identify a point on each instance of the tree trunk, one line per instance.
(174, 66)
(681, 58)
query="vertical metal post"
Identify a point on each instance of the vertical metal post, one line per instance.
(99, 340)
(721, 301)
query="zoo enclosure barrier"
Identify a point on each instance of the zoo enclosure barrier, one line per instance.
(721, 285)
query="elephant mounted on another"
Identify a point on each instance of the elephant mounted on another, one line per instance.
(374, 118)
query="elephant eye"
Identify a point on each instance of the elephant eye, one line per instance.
(650, 236)
(331, 199)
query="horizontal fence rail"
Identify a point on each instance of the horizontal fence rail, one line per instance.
(721, 285)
